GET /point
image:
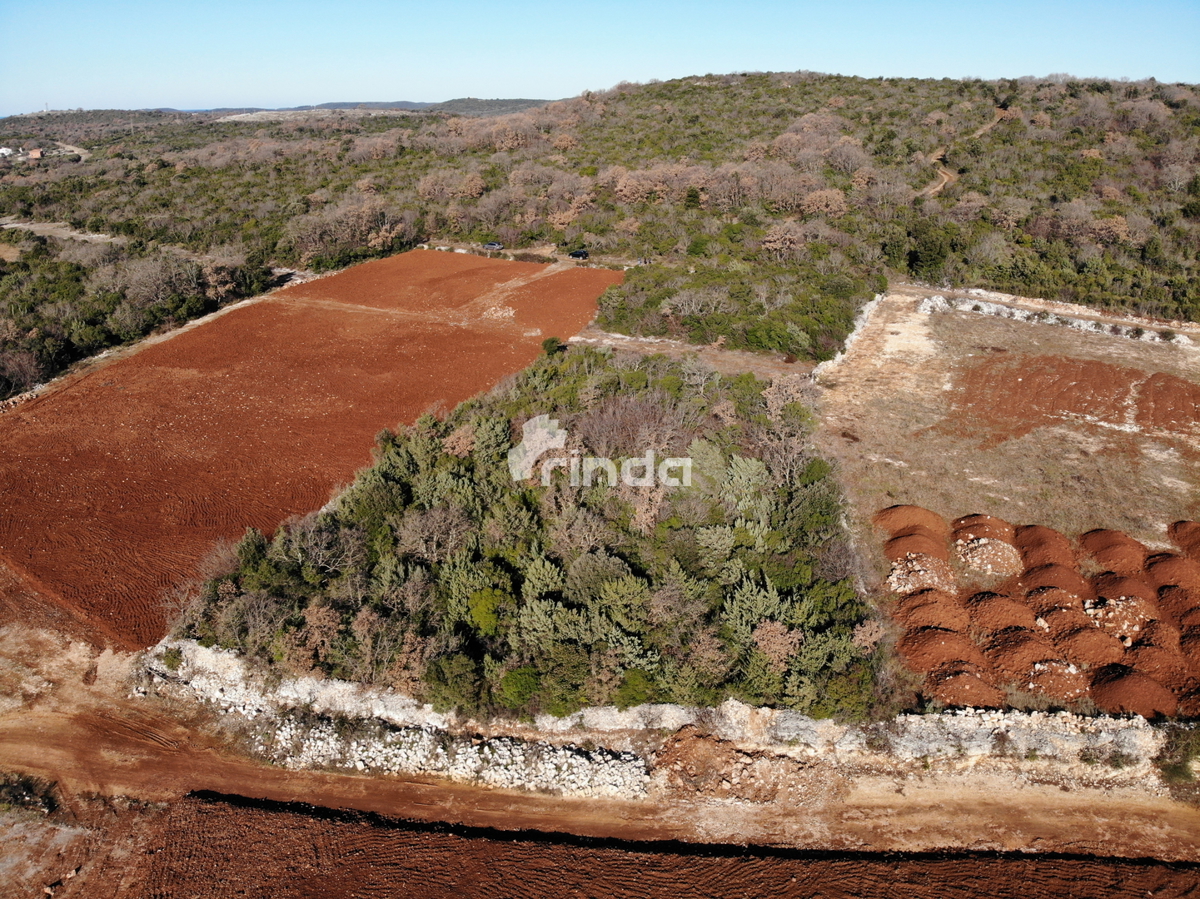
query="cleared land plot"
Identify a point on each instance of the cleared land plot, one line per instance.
(116, 483)
(1010, 424)
(1033, 423)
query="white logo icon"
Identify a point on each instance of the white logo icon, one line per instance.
(541, 435)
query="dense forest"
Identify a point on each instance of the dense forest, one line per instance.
(435, 573)
(766, 206)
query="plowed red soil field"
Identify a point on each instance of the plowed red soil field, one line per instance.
(204, 848)
(114, 484)
(1019, 392)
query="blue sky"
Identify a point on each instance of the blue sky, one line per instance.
(136, 54)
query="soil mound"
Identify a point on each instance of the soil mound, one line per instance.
(927, 649)
(1176, 603)
(1117, 689)
(1166, 667)
(1061, 577)
(972, 527)
(994, 612)
(1169, 570)
(932, 608)
(915, 544)
(1041, 545)
(1115, 586)
(1115, 551)
(1090, 648)
(1057, 679)
(1061, 622)
(1123, 616)
(1161, 634)
(1046, 600)
(1189, 651)
(920, 572)
(1014, 653)
(1186, 535)
(896, 518)
(1048, 629)
(966, 690)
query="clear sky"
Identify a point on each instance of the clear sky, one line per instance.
(188, 55)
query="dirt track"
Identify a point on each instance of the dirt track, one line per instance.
(117, 481)
(77, 727)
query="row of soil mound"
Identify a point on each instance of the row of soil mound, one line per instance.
(995, 614)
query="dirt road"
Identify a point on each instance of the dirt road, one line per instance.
(82, 729)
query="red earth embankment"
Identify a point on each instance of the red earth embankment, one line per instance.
(117, 482)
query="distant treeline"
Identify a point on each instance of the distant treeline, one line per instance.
(768, 205)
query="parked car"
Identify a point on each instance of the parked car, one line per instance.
(493, 245)
(578, 254)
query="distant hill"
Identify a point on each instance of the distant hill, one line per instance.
(471, 106)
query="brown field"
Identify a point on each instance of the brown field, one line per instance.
(218, 847)
(118, 480)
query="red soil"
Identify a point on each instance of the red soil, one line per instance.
(1176, 603)
(1189, 650)
(972, 527)
(1007, 396)
(965, 690)
(1046, 600)
(1115, 551)
(1161, 634)
(928, 649)
(1061, 622)
(918, 544)
(1117, 689)
(1055, 678)
(1186, 535)
(897, 518)
(119, 481)
(1068, 580)
(1168, 570)
(1161, 665)
(1114, 586)
(1135, 628)
(932, 608)
(1089, 647)
(1044, 546)
(992, 612)
(214, 849)
(1015, 652)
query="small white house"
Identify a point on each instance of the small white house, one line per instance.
(7, 151)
